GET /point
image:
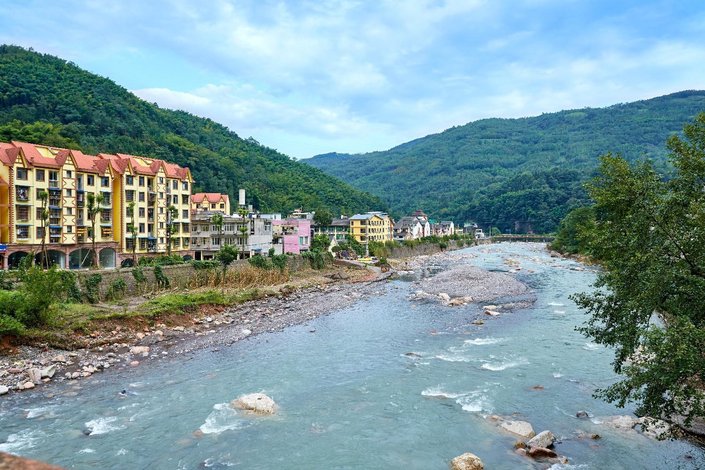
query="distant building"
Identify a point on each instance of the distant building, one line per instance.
(210, 202)
(251, 235)
(445, 228)
(408, 228)
(291, 235)
(372, 226)
(337, 230)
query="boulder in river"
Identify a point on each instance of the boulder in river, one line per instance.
(541, 452)
(255, 402)
(520, 428)
(144, 350)
(542, 439)
(35, 375)
(3, 390)
(492, 313)
(621, 422)
(467, 461)
(655, 428)
(582, 414)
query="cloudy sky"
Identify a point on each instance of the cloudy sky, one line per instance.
(314, 76)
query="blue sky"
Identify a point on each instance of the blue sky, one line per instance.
(313, 76)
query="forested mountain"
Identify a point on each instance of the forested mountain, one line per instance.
(512, 173)
(44, 99)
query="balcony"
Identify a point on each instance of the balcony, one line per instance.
(22, 194)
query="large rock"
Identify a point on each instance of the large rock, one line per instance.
(542, 439)
(3, 390)
(256, 403)
(35, 375)
(520, 428)
(655, 428)
(144, 350)
(467, 461)
(48, 372)
(541, 452)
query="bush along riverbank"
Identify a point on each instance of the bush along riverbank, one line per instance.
(61, 325)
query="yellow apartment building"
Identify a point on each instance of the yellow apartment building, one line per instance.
(210, 202)
(68, 176)
(372, 226)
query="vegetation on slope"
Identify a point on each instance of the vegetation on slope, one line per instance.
(501, 171)
(44, 99)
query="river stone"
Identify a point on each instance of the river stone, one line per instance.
(542, 439)
(35, 375)
(541, 452)
(255, 402)
(28, 385)
(8, 462)
(520, 428)
(49, 372)
(621, 422)
(582, 414)
(655, 428)
(59, 358)
(3, 390)
(139, 350)
(467, 461)
(444, 297)
(492, 313)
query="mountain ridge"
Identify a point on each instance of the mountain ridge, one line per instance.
(514, 172)
(48, 100)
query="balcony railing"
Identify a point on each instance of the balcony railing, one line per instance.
(54, 183)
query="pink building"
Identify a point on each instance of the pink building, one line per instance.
(291, 235)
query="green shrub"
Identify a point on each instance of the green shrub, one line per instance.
(202, 265)
(259, 261)
(117, 289)
(279, 262)
(443, 246)
(10, 305)
(6, 280)
(317, 259)
(91, 288)
(162, 280)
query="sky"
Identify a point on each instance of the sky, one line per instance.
(316, 76)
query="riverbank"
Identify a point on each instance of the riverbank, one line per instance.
(125, 340)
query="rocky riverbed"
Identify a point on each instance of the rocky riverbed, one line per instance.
(29, 367)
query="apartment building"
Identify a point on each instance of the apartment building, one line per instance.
(371, 226)
(67, 177)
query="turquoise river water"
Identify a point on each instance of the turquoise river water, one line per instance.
(352, 397)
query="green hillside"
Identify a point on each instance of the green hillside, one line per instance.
(47, 100)
(511, 173)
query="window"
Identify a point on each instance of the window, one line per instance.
(184, 199)
(40, 232)
(39, 175)
(161, 224)
(105, 181)
(23, 213)
(129, 195)
(161, 210)
(175, 184)
(141, 211)
(22, 173)
(141, 228)
(222, 205)
(23, 232)
(212, 206)
(129, 179)
(161, 195)
(68, 174)
(141, 196)
(184, 185)
(69, 192)
(141, 180)
(161, 180)
(54, 177)
(161, 239)
(69, 229)
(175, 199)
(90, 180)
(38, 213)
(22, 193)
(69, 210)
(184, 214)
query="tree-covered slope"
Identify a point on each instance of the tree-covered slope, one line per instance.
(44, 99)
(502, 171)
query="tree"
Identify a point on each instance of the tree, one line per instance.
(93, 208)
(649, 234)
(323, 217)
(171, 228)
(574, 231)
(226, 255)
(132, 228)
(44, 218)
(244, 230)
(320, 243)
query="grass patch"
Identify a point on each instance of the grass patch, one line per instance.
(179, 303)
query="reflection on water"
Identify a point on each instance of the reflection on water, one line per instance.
(387, 383)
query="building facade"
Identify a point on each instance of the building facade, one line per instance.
(372, 226)
(210, 202)
(291, 236)
(251, 234)
(38, 179)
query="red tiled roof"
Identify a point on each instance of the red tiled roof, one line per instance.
(213, 198)
(36, 159)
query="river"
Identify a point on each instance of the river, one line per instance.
(352, 397)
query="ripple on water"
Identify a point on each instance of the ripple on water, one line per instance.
(222, 418)
(22, 440)
(437, 392)
(504, 365)
(483, 341)
(476, 402)
(103, 425)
